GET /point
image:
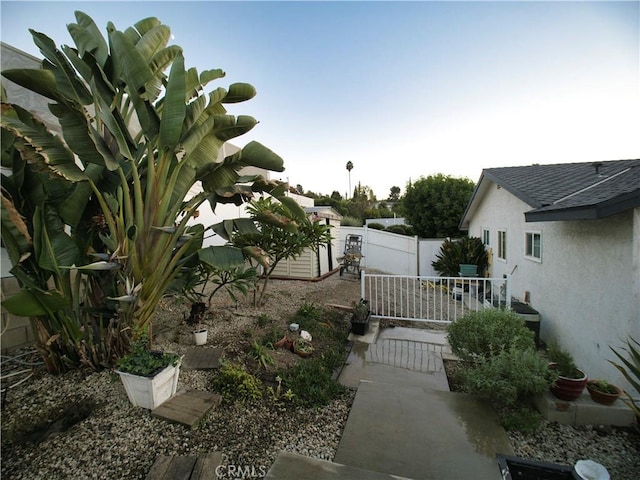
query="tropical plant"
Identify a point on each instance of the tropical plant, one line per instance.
(630, 368)
(453, 253)
(115, 186)
(284, 232)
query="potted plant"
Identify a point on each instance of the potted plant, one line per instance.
(360, 317)
(302, 347)
(149, 377)
(603, 392)
(570, 381)
(198, 309)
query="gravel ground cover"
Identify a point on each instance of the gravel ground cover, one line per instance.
(99, 435)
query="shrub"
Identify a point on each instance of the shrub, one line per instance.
(509, 378)
(565, 365)
(523, 419)
(376, 226)
(351, 222)
(485, 333)
(312, 383)
(236, 384)
(399, 229)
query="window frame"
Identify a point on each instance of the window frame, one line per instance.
(502, 245)
(529, 253)
(486, 237)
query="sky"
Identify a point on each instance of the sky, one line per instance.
(401, 89)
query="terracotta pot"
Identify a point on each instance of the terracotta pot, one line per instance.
(285, 343)
(569, 389)
(601, 397)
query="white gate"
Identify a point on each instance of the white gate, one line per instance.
(431, 299)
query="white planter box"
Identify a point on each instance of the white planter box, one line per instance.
(150, 392)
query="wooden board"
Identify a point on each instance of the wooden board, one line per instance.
(176, 468)
(206, 465)
(187, 408)
(202, 467)
(202, 358)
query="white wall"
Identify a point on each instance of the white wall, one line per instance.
(586, 285)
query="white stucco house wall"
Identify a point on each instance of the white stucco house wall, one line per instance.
(569, 235)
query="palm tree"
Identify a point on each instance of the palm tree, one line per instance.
(349, 168)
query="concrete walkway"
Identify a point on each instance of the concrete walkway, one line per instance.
(406, 422)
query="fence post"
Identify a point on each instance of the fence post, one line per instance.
(507, 291)
(363, 274)
(417, 243)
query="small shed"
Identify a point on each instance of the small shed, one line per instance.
(312, 265)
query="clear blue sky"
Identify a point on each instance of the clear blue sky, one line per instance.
(402, 89)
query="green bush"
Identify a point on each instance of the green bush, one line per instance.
(351, 222)
(399, 229)
(485, 333)
(312, 383)
(236, 384)
(512, 377)
(376, 226)
(523, 419)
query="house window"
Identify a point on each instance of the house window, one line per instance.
(485, 237)
(533, 245)
(502, 244)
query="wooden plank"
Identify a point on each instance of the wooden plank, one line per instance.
(206, 465)
(171, 468)
(187, 408)
(159, 467)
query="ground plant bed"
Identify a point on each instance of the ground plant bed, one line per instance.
(116, 440)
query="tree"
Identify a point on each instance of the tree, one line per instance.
(349, 168)
(115, 186)
(394, 194)
(284, 232)
(434, 205)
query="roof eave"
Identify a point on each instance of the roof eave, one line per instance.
(588, 212)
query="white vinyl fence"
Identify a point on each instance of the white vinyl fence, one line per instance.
(394, 253)
(431, 299)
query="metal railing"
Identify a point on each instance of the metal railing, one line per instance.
(432, 299)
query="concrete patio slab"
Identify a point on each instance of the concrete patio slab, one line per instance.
(394, 358)
(422, 433)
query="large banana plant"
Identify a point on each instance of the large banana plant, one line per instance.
(118, 183)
